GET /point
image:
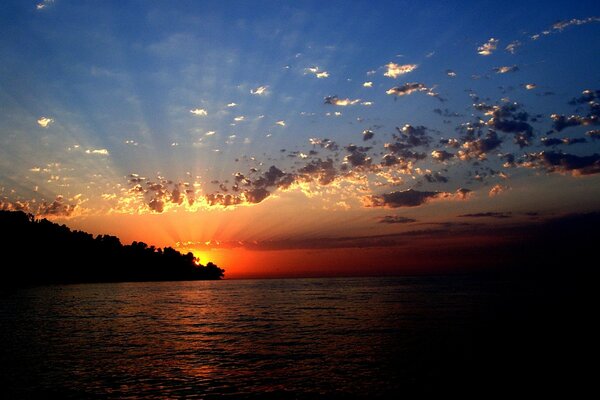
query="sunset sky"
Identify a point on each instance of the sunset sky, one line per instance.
(302, 138)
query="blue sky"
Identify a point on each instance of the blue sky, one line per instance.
(130, 107)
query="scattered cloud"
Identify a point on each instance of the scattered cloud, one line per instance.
(407, 88)
(44, 122)
(403, 198)
(564, 163)
(491, 214)
(396, 219)
(280, 123)
(201, 112)
(441, 155)
(44, 4)
(368, 84)
(368, 134)
(497, 189)
(232, 104)
(530, 86)
(512, 46)
(260, 91)
(336, 101)
(506, 69)
(102, 152)
(488, 47)
(394, 70)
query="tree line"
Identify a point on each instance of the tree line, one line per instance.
(37, 251)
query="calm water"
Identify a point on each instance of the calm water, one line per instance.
(303, 338)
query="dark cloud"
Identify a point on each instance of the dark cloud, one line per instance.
(447, 113)
(257, 195)
(223, 199)
(435, 177)
(586, 97)
(478, 149)
(568, 141)
(561, 122)
(491, 214)
(358, 156)
(323, 171)
(324, 144)
(594, 134)
(368, 134)
(564, 163)
(58, 208)
(404, 198)
(395, 219)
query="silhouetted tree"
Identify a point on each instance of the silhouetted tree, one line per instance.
(45, 252)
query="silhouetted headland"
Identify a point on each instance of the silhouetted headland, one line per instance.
(37, 251)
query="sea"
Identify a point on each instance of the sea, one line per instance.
(318, 338)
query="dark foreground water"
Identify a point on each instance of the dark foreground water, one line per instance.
(303, 338)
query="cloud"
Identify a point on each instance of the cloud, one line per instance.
(488, 47)
(509, 118)
(232, 104)
(407, 88)
(323, 171)
(395, 70)
(316, 71)
(512, 46)
(505, 69)
(260, 91)
(395, 219)
(368, 84)
(441, 155)
(435, 177)
(239, 118)
(102, 152)
(561, 122)
(491, 214)
(404, 198)
(280, 123)
(568, 141)
(497, 189)
(564, 163)
(201, 112)
(57, 208)
(44, 122)
(451, 73)
(336, 101)
(368, 134)
(463, 193)
(358, 156)
(530, 86)
(43, 4)
(478, 148)
(594, 134)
